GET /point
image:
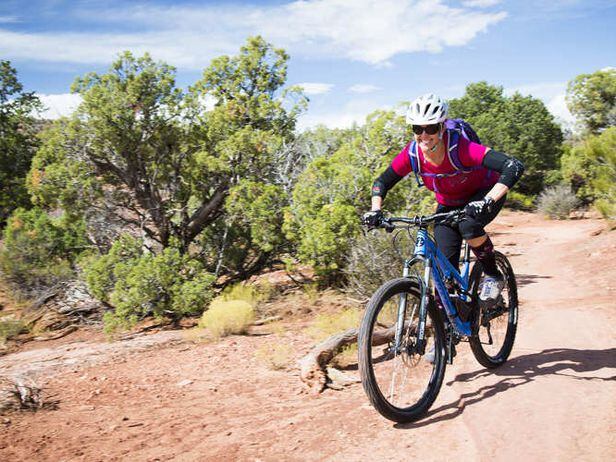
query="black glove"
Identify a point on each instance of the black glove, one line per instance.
(477, 208)
(372, 219)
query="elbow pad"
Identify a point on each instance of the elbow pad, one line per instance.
(510, 168)
(385, 182)
(512, 172)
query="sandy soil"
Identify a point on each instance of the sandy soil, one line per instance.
(164, 397)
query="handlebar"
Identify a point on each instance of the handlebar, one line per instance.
(422, 221)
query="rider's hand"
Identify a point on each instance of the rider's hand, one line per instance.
(372, 219)
(477, 208)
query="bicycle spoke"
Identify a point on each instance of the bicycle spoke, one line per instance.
(405, 376)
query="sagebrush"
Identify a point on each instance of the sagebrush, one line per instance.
(376, 258)
(557, 202)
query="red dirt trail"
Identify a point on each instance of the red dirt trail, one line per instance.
(163, 397)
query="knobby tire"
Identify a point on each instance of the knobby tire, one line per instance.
(477, 341)
(412, 410)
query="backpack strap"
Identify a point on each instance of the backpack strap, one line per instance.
(415, 164)
(453, 139)
(453, 136)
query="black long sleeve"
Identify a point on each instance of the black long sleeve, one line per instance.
(387, 180)
(510, 168)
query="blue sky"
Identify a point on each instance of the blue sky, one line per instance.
(351, 56)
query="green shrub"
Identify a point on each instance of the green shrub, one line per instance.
(557, 202)
(139, 284)
(577, 170)
(101, 272)
(590, 169)
(39, 250)
(10, 328)
(518, 201)
(226, 317)
(602, 152)
(334, 189)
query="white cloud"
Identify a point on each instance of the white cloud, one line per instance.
(371, 31)
(59, 105)
(363, 88)
(314, 88)
(103, 48)
(541, 90)
(558, 107)
(354, 111)
(480, 3)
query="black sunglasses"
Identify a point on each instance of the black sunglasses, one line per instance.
(429, 129)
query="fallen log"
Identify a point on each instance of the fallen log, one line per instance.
(313, 366)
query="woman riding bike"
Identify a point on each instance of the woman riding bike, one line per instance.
(465, 175)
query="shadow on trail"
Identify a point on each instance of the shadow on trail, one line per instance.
(519, 371)
(525, 279)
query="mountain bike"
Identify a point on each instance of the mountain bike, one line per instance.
(412, 324)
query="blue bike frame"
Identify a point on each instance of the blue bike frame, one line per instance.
(439, 269)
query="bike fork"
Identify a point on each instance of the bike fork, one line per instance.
(401, 313)
(423, 310)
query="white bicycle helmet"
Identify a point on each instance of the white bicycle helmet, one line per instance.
(427, 109)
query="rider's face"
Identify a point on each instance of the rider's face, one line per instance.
(427, 141)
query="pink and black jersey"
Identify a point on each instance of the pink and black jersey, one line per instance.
(456, 187)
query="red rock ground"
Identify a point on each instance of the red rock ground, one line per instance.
(165, 397)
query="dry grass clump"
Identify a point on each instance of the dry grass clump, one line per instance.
(326, 325)
(311, 291)
(253, 294)
(234, 310)
(226, 317)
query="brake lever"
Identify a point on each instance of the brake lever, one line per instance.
(389, 227)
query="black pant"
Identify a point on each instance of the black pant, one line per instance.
(449, 237)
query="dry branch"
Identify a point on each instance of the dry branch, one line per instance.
(18, 393)
(260, 322)
(313, 366)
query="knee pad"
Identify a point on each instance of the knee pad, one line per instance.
(470, 228)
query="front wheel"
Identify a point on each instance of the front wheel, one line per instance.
(494, 325)
(401, 383)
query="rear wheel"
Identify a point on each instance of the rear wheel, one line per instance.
(494, 324)
(402, 384)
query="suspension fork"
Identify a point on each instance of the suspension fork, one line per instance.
(401, 310)
(423, 309)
